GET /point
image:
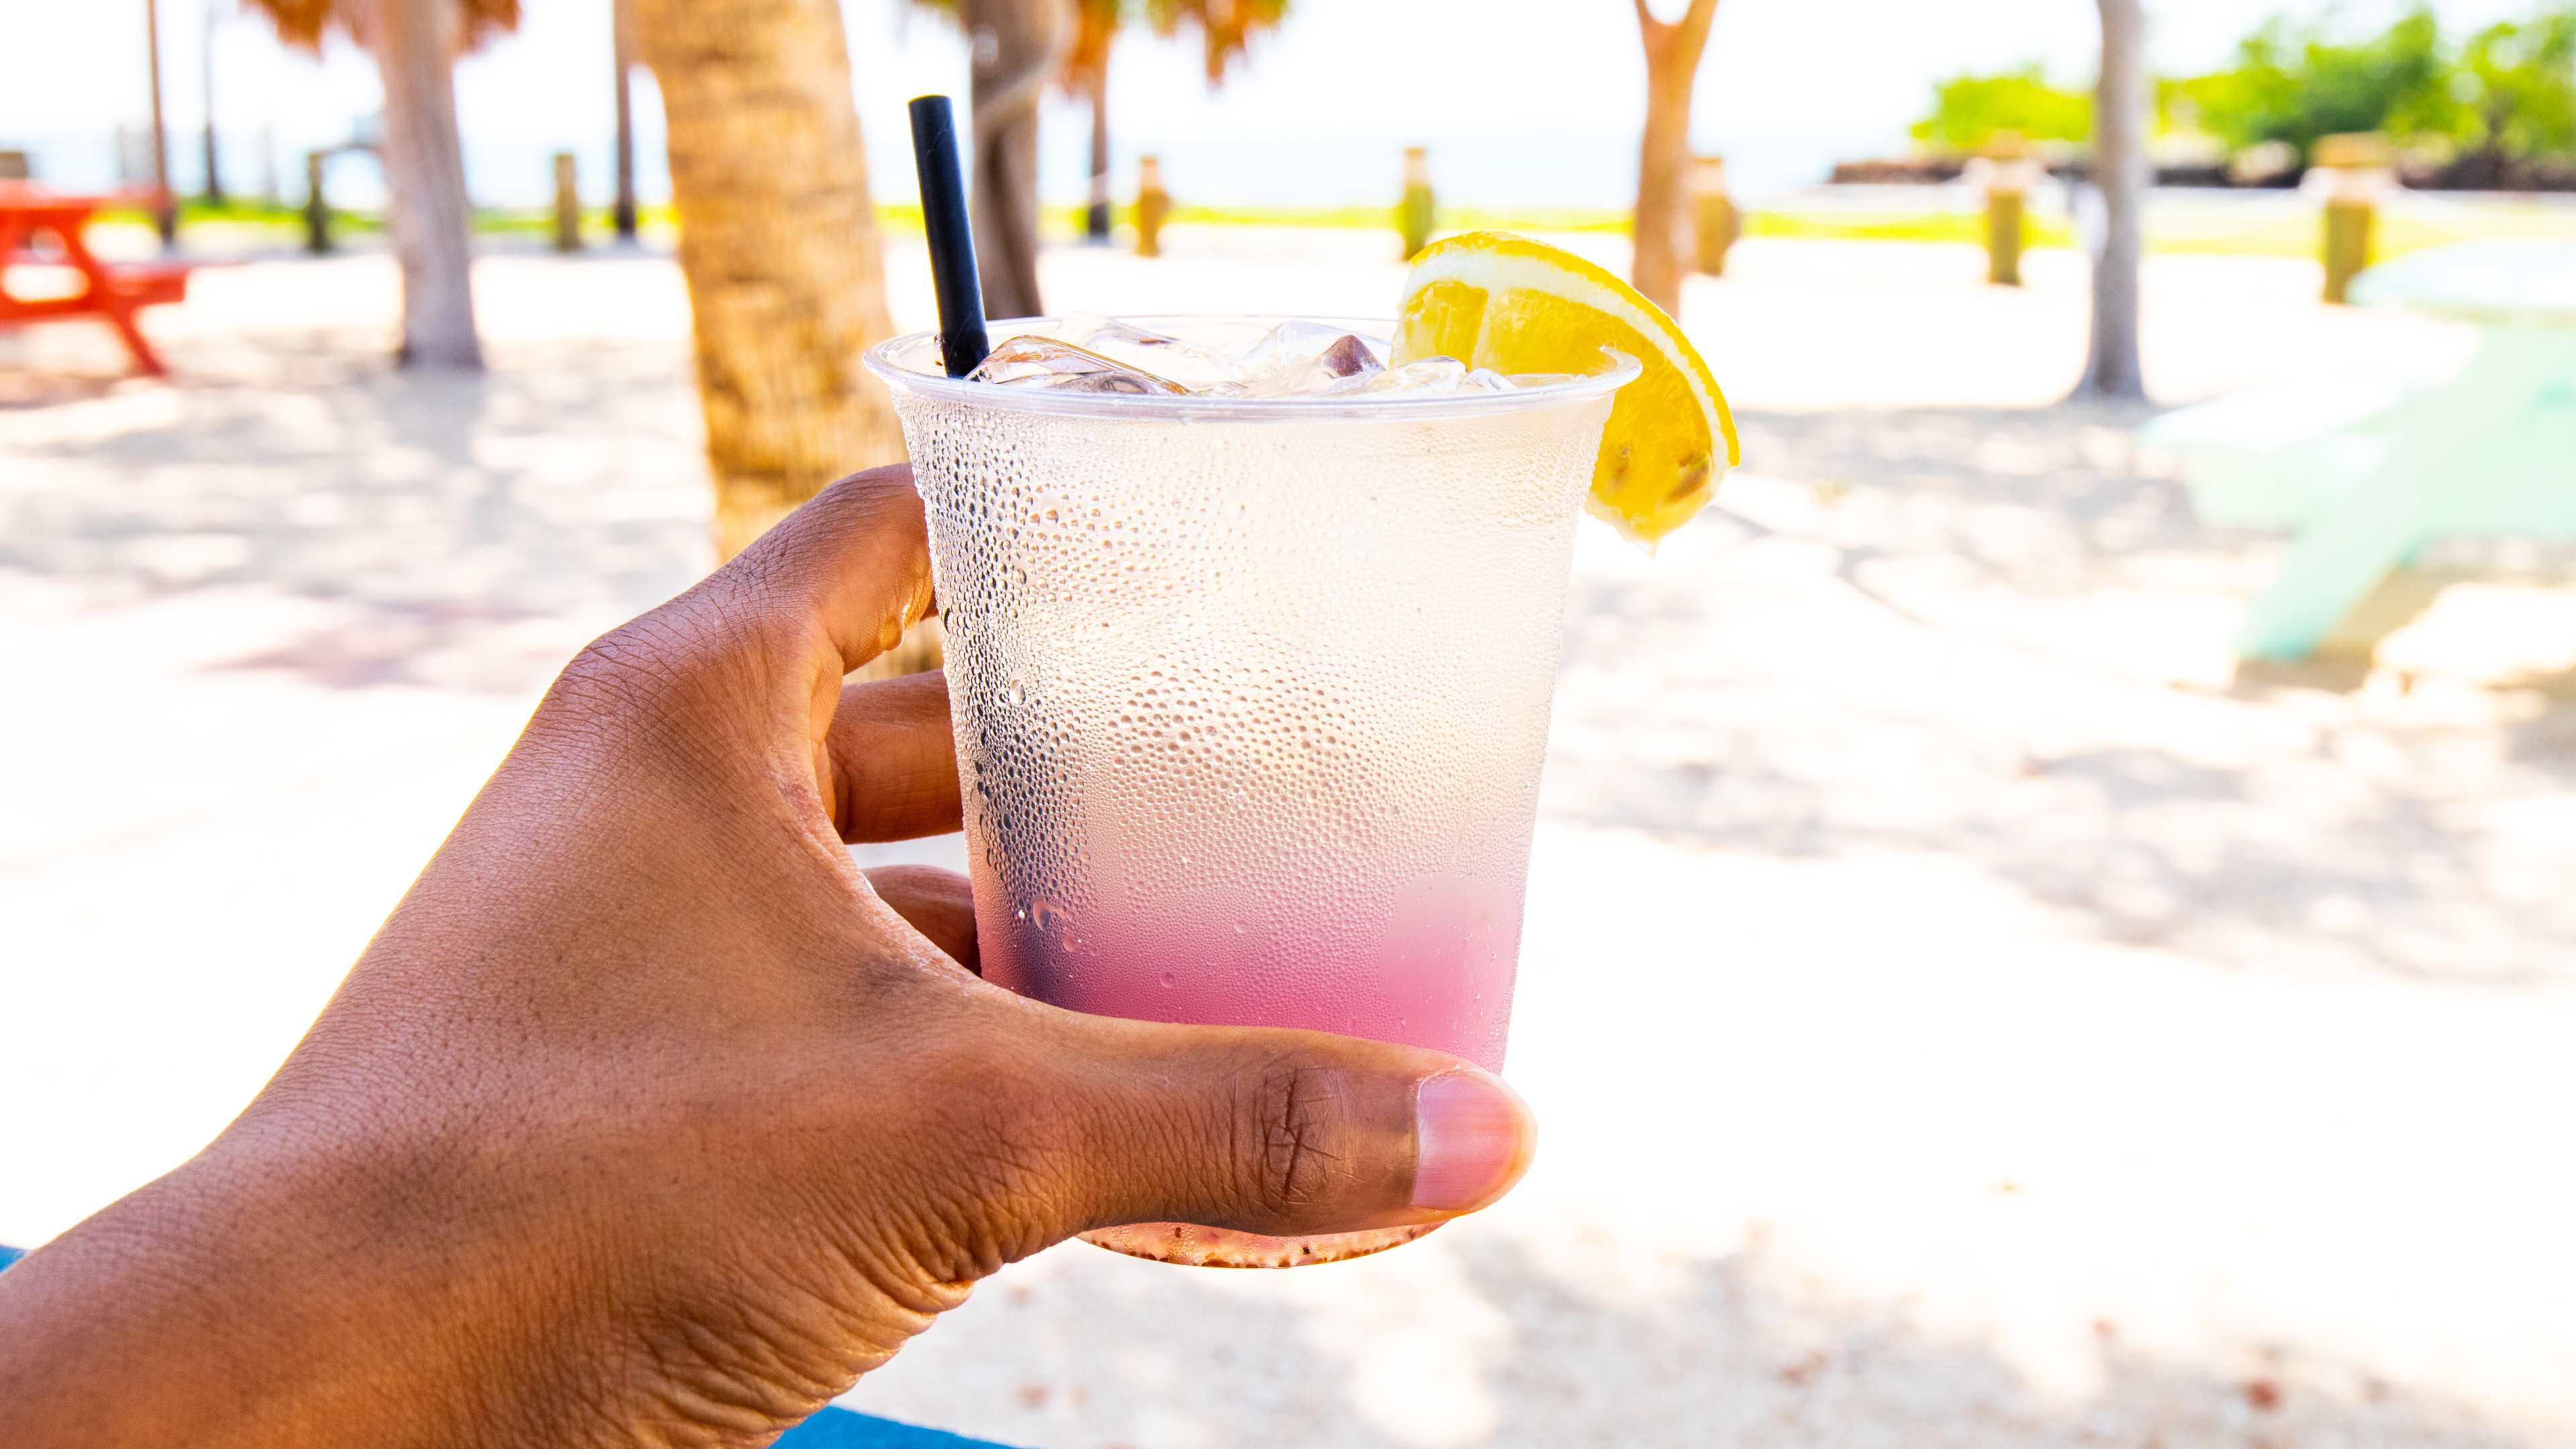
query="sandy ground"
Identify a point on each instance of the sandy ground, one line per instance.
(1963, 1007)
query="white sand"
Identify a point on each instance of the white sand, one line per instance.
(1963, 1011)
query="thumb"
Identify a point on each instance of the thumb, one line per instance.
(1280, 1133)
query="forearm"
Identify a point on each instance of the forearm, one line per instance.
(229, 1305)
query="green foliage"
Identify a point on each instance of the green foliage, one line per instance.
(2294, 84)
(2522, 85)
(2511, 87)
(1225, 27)
(1968, 110)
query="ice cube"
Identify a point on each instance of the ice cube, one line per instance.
(1287, 345)
(1345, 365)
(1431, 375)
(1186, 364)
(1485, 379)
(1046, 362)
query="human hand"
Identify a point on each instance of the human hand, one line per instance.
(648, 1118)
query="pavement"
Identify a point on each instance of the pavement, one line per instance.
(1963, 1006)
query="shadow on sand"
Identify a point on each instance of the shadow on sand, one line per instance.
(1496, 1347)
(1988, 714)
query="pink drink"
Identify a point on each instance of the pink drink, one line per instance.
(1251, 697)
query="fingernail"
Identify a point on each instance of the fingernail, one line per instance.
(1471, 1138)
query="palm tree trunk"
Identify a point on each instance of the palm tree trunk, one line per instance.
(778, 243)
(1661, 222)
(621, 46)
(1096, 222)
(2120, 169)
(415, 44)
(1018, 45)
(214, 191)
(165, 214)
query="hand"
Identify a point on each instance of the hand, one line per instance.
(647, 1118)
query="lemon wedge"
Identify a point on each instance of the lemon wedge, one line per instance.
(1491, 299)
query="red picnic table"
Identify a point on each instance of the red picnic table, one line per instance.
(42, 228)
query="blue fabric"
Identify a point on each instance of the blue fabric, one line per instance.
(830, 1429)
(841, 1429)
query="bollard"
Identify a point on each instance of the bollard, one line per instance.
(2358, 170)
(2008, 178)
(1153, 206)
(1715, 224)
(317, 210)
(567, 204)
(1413, 215)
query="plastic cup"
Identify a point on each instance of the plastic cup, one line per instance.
(1251, 697)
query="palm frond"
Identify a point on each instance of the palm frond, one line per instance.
(305, 22)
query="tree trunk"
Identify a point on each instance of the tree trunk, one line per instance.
(1017, 46)
(165, 212)
(2120, 169)
(415, 44)
(1096, 223)
(1661, 227)
(621, 45)
(778, 243)
(214, 161)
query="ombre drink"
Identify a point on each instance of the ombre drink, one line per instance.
(1250, 650)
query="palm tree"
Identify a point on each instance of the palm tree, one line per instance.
(214, 190)
(1017, 43)
(1673, 49)
(1015, 46)
(415, 43)
(778, 245)
(1086, 72)
(165, 211)
(2111, 368)
(622, 58)
(1225, 27)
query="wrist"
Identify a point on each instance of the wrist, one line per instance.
(245, 1299)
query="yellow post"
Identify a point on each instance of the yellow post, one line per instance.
(1153, 206)
(567, 205)
(1413, 216)
(1713, 214)
(2007, 198)
(2359, 168)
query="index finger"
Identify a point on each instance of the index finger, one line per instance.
(845, 574)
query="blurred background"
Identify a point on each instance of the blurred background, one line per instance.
(2048, 923)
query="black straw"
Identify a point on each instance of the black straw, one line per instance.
(962, 342)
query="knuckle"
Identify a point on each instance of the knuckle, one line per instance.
(1007, 1164)
(671, 668)
(1289, 1138)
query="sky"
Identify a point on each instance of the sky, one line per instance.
(1523, 102)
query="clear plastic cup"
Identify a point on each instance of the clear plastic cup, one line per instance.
(1251, 697)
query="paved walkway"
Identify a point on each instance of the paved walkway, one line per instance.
(1962, 1008)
